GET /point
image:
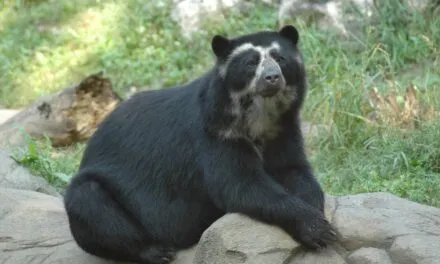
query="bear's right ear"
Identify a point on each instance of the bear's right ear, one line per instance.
(290, 32)
(220, 46)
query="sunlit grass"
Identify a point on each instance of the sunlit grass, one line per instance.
(49, 55)
(50, 44)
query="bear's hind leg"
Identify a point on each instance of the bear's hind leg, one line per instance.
(102, 227)
(157, 255)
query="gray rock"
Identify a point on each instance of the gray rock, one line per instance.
(6, 114)
(190, 13)
(327, 256)
(14, 176)
(368, 220)
(376, 219)
(416, 248)
(326, 14)
(345, 17)
(34, 229)
(369, 256)
(236, 238)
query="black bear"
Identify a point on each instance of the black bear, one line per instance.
(166, 164)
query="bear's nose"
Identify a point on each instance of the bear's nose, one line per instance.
(272, 78)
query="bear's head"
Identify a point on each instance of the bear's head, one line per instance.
(264, 63)
(264, 75)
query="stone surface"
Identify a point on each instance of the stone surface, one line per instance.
(375, 228)
(14, 176)
(417, 248)
(345, 17)
(377, 219)
(6, 114)
(369, 224)
(34, 230)
(369, 256)
(327, 256)
(238, 239)
(190, 13)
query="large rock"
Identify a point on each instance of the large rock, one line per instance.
(12, 175)
(345, 17)
(370, 256)
(6, 114)
(375, 228)
(378, 219)
(189, 14)
(33, 229)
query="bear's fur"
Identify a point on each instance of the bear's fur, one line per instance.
(164, 165)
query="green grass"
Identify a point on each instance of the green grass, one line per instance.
(46, 45)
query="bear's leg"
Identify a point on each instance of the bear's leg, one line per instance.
(102, 227)
(302, 183)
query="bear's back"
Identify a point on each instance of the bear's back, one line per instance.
(160, 125)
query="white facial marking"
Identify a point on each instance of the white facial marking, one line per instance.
(259, 120)
(264, 52)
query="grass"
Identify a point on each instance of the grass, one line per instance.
(49, 44)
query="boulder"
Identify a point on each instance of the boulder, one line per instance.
(12, 175)
(369, 255)
(374, 227)
(344, 17)
(189, 14)
(33, 229)
(6, 114)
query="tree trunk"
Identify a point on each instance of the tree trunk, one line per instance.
(67, 117)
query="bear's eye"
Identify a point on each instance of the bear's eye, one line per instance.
(277, 57)
(252, 61)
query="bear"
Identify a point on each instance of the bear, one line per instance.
(166, 164)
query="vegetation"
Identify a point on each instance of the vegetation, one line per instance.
(46, 45)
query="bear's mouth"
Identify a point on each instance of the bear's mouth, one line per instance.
(270, 90)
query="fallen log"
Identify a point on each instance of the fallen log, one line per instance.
(67, 117)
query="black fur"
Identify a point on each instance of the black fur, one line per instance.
(159, 170)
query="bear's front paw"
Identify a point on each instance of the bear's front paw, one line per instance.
(314, 232)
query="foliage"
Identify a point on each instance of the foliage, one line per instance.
(49, 44)
(56, 166)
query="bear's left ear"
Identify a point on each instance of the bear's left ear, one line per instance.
(220, 45)
(290, 32)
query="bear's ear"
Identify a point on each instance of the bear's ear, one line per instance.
(220, 46)
(290, 32)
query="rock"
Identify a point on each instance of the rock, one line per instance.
(34, 229)
(369, 224)
(6, 114)
(326, 14)
(369, 256)
(14, 176)
(375, 228)
(327, 256)
(189, 13)
(417, 248)
(236, 238)
(344, 17)
(376, 219)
